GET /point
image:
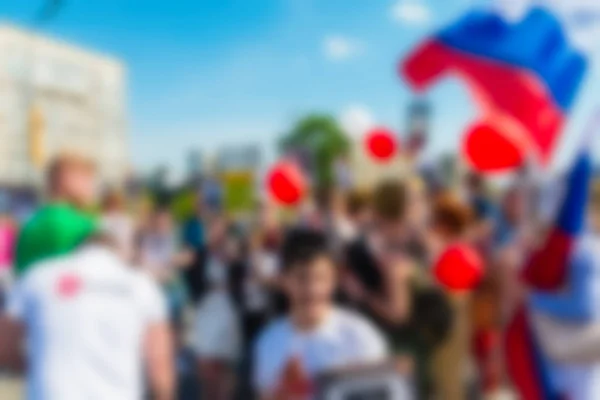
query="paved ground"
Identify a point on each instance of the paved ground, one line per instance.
(11, 389)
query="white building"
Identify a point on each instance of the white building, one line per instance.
(56, 97)
(367, 173)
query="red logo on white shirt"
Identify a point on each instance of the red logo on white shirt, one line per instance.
(295, 383)
(68, 286)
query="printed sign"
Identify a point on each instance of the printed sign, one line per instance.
(239, 191)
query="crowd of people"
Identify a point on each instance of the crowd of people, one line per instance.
(119, 303)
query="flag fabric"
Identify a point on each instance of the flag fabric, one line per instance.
(547, 270)
(528, 370)
(524, 74)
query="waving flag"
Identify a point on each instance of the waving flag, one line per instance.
(548, 270)
(524, 73)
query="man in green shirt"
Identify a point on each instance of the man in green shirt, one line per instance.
(61, 225)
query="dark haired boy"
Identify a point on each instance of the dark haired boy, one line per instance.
(315, 336)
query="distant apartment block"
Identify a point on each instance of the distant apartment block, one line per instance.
(58, 97)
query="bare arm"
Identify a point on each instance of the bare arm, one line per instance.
(159, 356)
(12, 332)
(183, 258)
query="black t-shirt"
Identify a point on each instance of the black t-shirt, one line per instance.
(237, 273)
(195, 275)
(363, 265)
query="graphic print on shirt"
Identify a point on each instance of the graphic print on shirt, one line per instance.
(68, 285)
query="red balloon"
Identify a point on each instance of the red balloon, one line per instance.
(381, 144)
(459, 268)
(489, 150)
(286, 183)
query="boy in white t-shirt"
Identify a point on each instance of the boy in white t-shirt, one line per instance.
(315, 336)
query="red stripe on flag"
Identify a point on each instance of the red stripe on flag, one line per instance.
(520, 360)
(547, 268)
(511, 99)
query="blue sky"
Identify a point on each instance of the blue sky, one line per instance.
(211, 73)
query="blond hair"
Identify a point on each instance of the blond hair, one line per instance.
(67, 160)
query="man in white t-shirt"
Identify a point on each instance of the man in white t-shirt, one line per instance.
(315, 336)
(93, 325)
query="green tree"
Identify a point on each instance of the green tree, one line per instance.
(323, 139)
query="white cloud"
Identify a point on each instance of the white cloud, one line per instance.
(356, 120)
(340, 48)
(412, 12)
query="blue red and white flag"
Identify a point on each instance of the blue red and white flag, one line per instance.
(524, 67)
(547, 270)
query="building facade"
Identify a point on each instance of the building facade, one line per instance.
(367, 173)
(55, 97)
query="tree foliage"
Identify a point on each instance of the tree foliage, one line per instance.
(320, 136)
